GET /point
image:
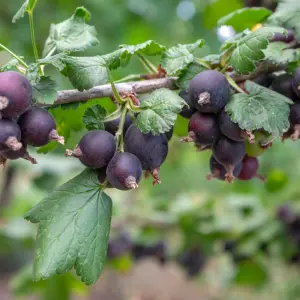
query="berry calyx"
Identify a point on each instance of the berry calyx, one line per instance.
(124, 171)
(150, 149)
(203, 129)
(228, 153)
(38, 128)
(10, 135)
(249, 170)
(15, 94)
(209, 91)
(95, 149)
(22, 153)
(232, 130)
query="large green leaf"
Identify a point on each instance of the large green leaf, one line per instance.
(147, 48)
(262, 108)
(93, 117)
(72, 34)
(246, 51)
(74, 224)
(45, 90)
(179, 57)
(160, 111)
(245, 18)
(56, 61)
(28, 6)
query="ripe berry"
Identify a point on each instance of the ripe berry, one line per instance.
(249, 169)
(124, 171)
(209, 91)
(22, 153)
(295, 121)
(203, 129)
(186, 111)
(113, 126)
(150, 149)
(95, 149)
(282, 84)
(280, 37)
(232, 130)
(10, 135)
(296, 82)
(169, 134)
(38, 128)
(218, 171)
(264, 79)
(15, 94)
(228, 153)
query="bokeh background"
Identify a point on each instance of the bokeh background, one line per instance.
(185, 212)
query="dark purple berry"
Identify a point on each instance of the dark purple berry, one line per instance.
(150, 149)
(296, 82)
(38, 128)
(21, 153)
(15, 94)
(186, 111)
(228, 153)
(280, 37)
(95, 149)
(169, 134)
(264, 79)
(113, 126)
(294, 131)
(232, 130)
(124, 171)
(249, 170)
(203, 129)
(209, 91)
(282, 84)
(218, 171)
(10, 135)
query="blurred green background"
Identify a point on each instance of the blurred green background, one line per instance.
(188, 209)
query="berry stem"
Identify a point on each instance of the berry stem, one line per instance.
(234, 85)
(113, 87)
(119, 133)
(130, 77)
(148, 65)
(203, 63)
(18, 58)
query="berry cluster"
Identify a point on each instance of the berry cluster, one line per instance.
(21, 124)
(117, 168)
(234, 150)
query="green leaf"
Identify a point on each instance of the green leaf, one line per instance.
(45, 90)
(150, 48)
(179, 57)
(251, 273)
(28, 6)
(74, 224)
(120, 57)
(72, 34)
(245, 18)
(11, 64)
(188, 74)
(93, 117)
(86, 72)
(213, 59)
(248, 50)
(32, 73)
(278, 54)
(261, 109)
(160, 111)
(56, 61)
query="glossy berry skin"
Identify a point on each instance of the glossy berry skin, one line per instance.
(229, 128)
(209, 91)
(279, 37)
(186, 111)
(282, 84)
(37, 125)
(151, 150)
(296, 82)
(124, 171)
(113, 126)
(15, 94)
(264, 79)
(204, 128)
(95, 149)
(218, 171)
(249, 169)
(9, 130)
